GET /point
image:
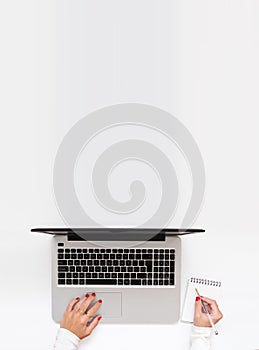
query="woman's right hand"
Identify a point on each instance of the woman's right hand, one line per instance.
(200, 317)
(79, 317)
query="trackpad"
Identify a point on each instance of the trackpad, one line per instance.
(111, 306)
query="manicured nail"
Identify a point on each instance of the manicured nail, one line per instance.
(99, 318)
(198, 298)
(87, 295)
(100, 301)
(93, 294)
(77, 298)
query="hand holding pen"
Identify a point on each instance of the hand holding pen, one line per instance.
(207, 313)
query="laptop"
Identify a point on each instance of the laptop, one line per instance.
(136, 272)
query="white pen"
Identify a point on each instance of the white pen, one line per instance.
(207, 313)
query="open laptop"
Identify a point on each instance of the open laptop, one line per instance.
(136, 272)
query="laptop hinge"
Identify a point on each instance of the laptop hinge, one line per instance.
(115, 236)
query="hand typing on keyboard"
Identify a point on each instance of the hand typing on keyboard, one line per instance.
(80, 316)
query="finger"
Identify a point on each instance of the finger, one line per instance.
(93, 309)
(92, 324)
(212, 303)
(72, 304)
(84, 303)
(198, 307)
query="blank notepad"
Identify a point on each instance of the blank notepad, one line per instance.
(206, 287)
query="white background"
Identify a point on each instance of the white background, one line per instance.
(196, 59)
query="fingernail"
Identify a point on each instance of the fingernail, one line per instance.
(99, 317)
(87, 295)
(100, 301)
(93, 294)
(198, 298)
(77, 298)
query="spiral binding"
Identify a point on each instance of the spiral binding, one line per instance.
(205, 282)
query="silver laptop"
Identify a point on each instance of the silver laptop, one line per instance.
(136, 272)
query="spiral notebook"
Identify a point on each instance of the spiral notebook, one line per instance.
(206, 287)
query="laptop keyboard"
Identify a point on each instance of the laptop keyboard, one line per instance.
(122, 267)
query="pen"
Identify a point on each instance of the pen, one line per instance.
(207, 313)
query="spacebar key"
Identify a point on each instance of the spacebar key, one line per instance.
(100, 281)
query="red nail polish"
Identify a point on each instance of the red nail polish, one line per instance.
(93, 294)
(77, 298)
(99, 317)
(87, 295)
(198, 298)
(100, 301)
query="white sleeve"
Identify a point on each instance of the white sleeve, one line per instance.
(66, 340)
(201, 338)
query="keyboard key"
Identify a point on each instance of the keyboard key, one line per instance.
(81, 275)
(69, 274)
(101, 275)
(80, 256)
(77, 262)
(60, 250)
(69, 281)
(70, 262)
(104, 269)
(73, 250)
(62, 262)
(75, 275)
(83, 262)
(84, 250)
(107, 275)
(101, 281)
(126, 282)
(60, 244)
(120, 282)
(81, 281)
(144, 282)
(75, 281)
(135, 282)
(67, 256)
(97, 268)
(141, 275)
(94, 275)
(93, 256)
(60, 256)
(79, 250)
(73, 256)
(147, 256)
(136, 269)
(85, 268)
(72, 268)
(86, 256)
(61, 281)
(97, 250)
(78, 268)
(62, 268)
(61, 275)
(91, 269)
